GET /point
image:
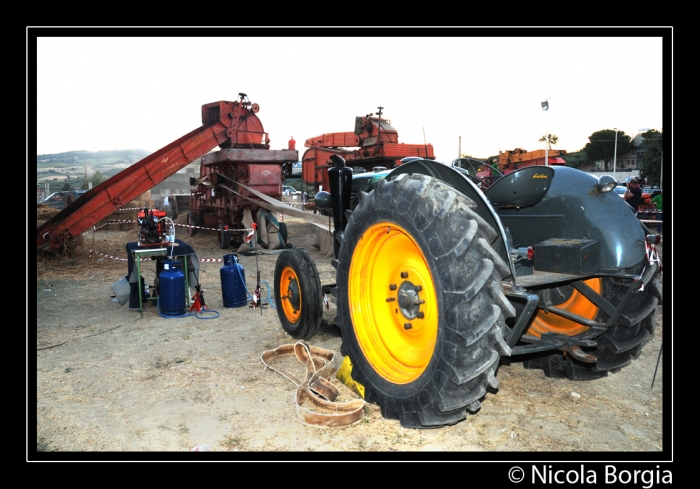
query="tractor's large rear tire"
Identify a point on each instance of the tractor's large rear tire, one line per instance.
(620, 344)
(298, 294)
(420, 302)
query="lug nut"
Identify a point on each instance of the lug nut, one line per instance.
(392, 287)
(420, 315)
(407, 326)
(404, 274)
(390, 299)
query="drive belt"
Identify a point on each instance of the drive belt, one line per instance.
(315, 396)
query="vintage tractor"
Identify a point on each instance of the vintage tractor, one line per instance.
(437, 280)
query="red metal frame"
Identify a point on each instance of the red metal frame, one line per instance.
(225, 124)
(377, 143)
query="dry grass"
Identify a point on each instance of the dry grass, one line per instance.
(76, 258)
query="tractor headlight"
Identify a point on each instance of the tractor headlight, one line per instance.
(606, 183)
(323, 200)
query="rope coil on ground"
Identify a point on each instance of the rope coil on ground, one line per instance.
(315, 396)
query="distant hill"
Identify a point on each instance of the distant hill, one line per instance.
(128, 156)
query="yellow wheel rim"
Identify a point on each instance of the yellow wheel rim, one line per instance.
(291, 299)
(393, 303)
(576, 304)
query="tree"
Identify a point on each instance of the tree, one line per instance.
(552, 139)
(66, 185)
(601, 146)
(653, 156)
(577, 159)
(97, 178)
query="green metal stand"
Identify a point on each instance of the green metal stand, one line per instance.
(159, 252)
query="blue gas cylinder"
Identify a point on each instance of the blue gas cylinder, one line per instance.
(171, 285)
(233, 289)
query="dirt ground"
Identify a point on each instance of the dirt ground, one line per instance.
(111, 381)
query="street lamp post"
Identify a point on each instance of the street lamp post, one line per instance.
(545, 107)
(615, 156)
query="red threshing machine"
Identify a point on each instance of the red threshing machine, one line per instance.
(244, 156)
(376, 142)
(509, 161)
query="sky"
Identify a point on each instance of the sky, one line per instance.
(460, 91)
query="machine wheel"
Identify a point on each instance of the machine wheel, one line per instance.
(173, 208)
(420, 302)
(283, 232)
(223, 236)
(191, 221)
(68, 199)
(298, 294)
(618, 346)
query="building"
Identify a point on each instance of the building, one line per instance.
(177, 183)
(626, 165)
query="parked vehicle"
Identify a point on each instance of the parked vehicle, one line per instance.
(437, 281)
(62, 199)
(374, 142)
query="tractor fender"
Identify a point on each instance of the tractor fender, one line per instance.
(460, 182)
(539, 203)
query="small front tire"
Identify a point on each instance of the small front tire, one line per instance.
(298, 294)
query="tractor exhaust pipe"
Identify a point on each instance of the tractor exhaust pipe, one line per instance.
(340, 180)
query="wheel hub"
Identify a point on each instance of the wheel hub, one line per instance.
(293, 294)
(394, 319)
(409, 301)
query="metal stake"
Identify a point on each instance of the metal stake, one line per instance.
(657, 364)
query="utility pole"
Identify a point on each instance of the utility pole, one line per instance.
(615, 155)
(545, 107)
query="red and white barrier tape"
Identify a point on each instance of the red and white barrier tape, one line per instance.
(212, 229)
(95, 228)
(201, 260)
(107, 256)
(134, 209)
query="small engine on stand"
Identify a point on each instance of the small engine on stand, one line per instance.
(152, 230)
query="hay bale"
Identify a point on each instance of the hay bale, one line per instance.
(143, 200)
(129, 213)
(44, 212)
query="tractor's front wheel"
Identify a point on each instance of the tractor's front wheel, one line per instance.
(420, 303)
(298, 294)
